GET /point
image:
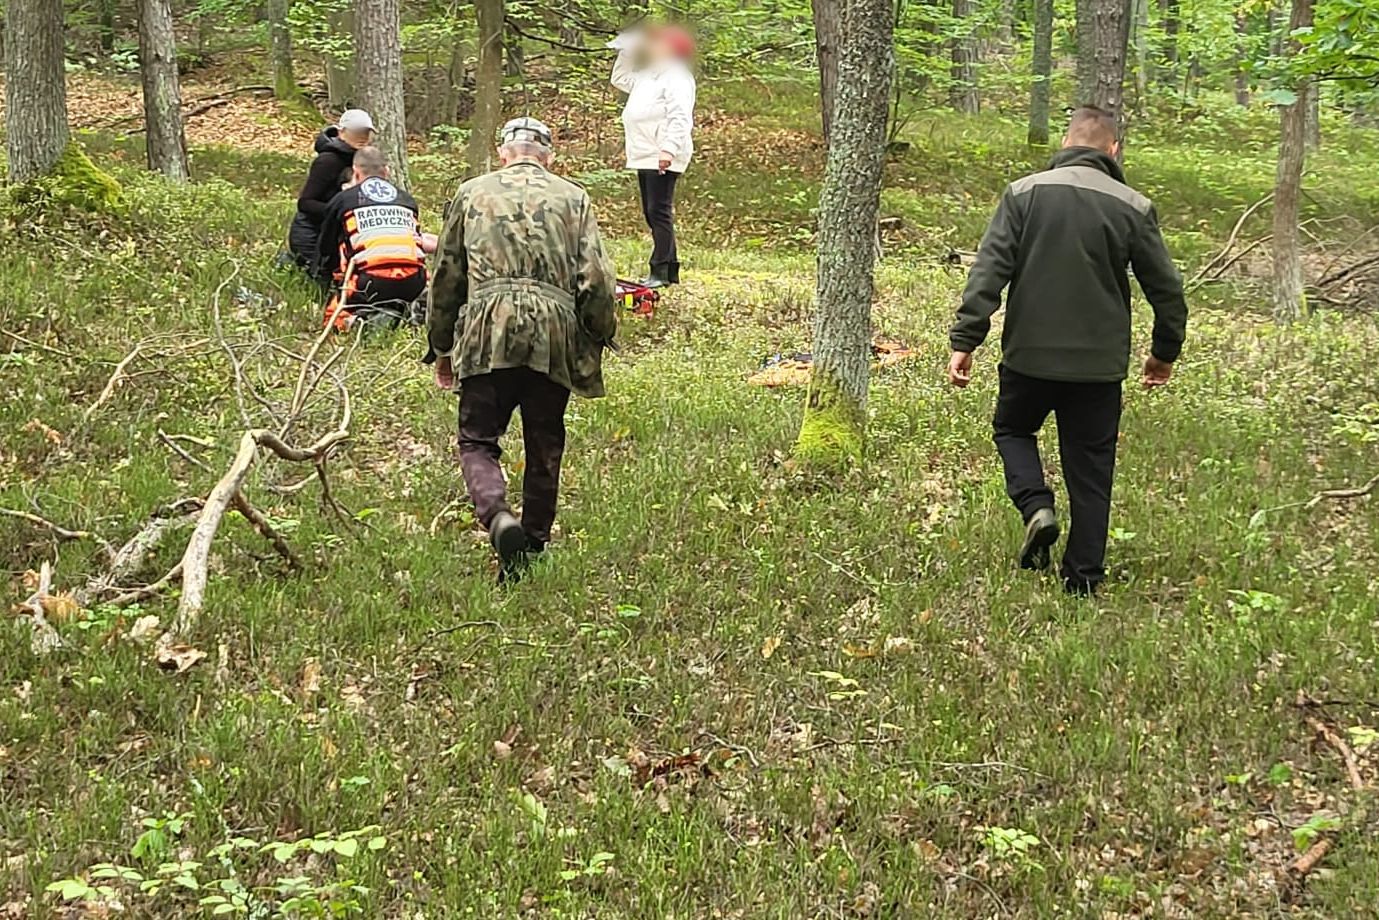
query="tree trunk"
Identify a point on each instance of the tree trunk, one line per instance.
(280, 36)
(832, 433)
(1139, 31)
(1289, 298)
(1168, 53)
(1085, 35)
(107, 25)
(1314, 115)
(1043, 71)
(488, 87)
(514, 55)
(378, 69)
(339, 65)
(828, 39)
(963, 95)
(35, 88)
(167, 145)
(1110, 34)
(1242, 79)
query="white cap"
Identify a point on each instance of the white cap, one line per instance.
(355, 120)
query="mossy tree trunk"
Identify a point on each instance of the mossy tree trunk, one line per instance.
(36, 132)
(963, 95)
(488, 87)
(339, 61)
(832, 433)
(167, 144)
(378, 72)
(1043, 73)
(1289, 299)
(280, 40)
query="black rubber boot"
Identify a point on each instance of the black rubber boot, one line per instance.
(510, 542)
(1041, 532)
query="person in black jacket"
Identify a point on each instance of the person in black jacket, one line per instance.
(330, 171)
(1062, 240)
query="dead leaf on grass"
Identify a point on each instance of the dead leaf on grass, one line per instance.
(768, 648)
(144, 629)
(310, 681)
(178, 658)
(898, 645)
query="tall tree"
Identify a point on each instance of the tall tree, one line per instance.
(1043, 73)
(280, 38)
(832, 433)
(1289, 299)
(828, 39)
(1242, 57)
(167, 145)
(488, 86)
(1101, 50)
(35, 88)
(339, 60)
(1169, 18)
(963, 95)
(378, 69)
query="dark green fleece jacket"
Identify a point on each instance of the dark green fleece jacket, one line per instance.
(1062, 240)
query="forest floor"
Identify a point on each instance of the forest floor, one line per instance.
(731, 690)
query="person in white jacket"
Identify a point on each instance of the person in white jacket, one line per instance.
(659, 124)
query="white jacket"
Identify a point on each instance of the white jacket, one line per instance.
(659, 115)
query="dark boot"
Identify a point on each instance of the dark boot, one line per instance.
(510, 542)
(1041, 532)
(662, 276)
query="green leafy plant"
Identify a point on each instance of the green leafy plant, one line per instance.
(1011, 845)
(1304, 834)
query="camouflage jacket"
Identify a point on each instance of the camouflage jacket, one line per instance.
(522, 280)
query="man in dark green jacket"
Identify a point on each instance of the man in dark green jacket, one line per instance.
(1062, 240)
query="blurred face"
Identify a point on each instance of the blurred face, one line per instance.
(357, 138)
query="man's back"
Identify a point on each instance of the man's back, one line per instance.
(1062, 239)
(522, 279)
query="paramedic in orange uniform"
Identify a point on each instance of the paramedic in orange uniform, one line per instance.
(371, 241)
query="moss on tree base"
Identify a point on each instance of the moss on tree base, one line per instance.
(75, 182)
(833, 432)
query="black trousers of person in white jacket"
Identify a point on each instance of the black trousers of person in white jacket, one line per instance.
(658, 207)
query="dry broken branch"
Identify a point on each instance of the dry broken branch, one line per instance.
(45, 637)
(1339, 745)
(1230, 241)
(1338, 494)
(62, 533)
(265, 527)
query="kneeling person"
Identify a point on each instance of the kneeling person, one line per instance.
(521, 309)
(371, 241)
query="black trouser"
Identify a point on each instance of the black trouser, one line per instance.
(1088, 417)
(486, 405)
(302, 237)
(382, 298)
(658, 207)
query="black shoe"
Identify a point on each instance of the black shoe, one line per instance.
(509, 541)
(1041, 532)
(662, 276)
(1078, 587)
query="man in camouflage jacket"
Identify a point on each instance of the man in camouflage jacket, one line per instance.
(521, 308)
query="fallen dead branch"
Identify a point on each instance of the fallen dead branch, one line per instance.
(45, 637)
(1341, 494)
(1230, 241)
(1338, 744)
(179, 450)
(126, 561)
(62, 533)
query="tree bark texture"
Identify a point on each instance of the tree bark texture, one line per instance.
(36, 132)
(831, 435)
(1085, 34)
(378, 70)
(1242, 79)
(488, 89)
(340, 65)
(280, 38)
(1110, 33)
(1043, 73)
(1289, 298)
(1169, 18)
(167, 145)
(828, 38)
(963, 94)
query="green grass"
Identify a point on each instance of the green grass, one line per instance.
(839, 775)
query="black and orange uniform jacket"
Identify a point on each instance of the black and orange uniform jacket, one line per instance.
(371, 243)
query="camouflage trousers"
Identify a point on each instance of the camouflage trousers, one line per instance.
(487, 402)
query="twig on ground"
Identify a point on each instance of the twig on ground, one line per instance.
(134, 595)
(265, 527)
(733, 746)
(126, 561)
(1306, 862)
(1339, 745)
(115, 376)
(1230, 241)
(39, 345)
(1337, 494)
(177, 449)
(62, 533)
(1221, 269)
